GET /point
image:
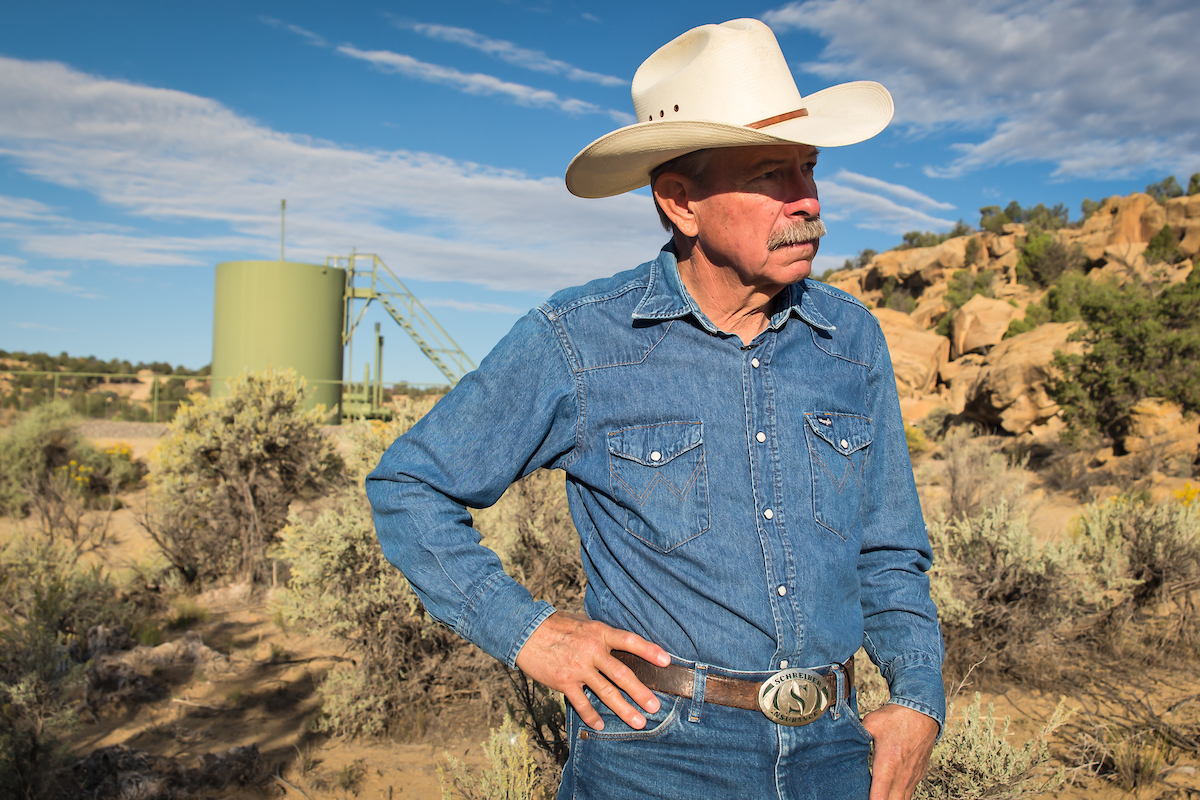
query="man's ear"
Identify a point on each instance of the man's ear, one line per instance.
(673, 193)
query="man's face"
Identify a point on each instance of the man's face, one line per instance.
(751, 194)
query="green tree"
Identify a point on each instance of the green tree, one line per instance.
(1139, 344)
(1165, 189)
(1044, 258)
(1163, 247)
(1089, 207)
(1194, 184)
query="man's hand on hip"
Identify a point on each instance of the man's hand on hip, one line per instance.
(569, 651)
(903, 742)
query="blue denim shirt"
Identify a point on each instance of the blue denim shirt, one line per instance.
(739, 505)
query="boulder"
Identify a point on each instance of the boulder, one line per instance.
(979, 324)
(918, 266)
(1009, 390)
(1183, 215)
(1165, 438)
(1000, 245)
(916, 353)
(960, 375)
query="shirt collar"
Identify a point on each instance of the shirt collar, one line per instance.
(667, 298)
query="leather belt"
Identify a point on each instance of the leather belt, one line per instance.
(751, 695)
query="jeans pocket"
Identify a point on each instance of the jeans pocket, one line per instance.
(838, 446)
(658, 474)
(616, 728)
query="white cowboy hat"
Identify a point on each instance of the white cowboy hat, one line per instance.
(722, 86)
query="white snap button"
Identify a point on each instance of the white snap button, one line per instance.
(762, 437)
(657, 456)
(754, 363)
(782, 590)
(845, 444)
(783, 664)
(768, 513)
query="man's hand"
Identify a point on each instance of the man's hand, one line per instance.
(569, 651)
(903, 741)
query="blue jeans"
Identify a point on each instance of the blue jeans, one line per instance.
(696, 750)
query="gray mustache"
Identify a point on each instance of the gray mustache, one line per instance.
(806, 230)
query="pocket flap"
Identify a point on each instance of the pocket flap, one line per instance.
(655, 445)
(844, 432)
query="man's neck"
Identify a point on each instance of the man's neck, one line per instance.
(730, 304)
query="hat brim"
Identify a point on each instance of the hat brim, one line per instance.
(621, 161)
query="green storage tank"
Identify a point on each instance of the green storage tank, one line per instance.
(280, 314)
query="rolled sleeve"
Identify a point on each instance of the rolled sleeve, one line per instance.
(513, 415)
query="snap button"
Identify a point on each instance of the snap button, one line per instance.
(656, 456)
(783, 664)
(754, 363)
(845, 444)
(762, 437)
(768, 513)
(782, 591)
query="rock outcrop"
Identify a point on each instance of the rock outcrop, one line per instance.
(980, 325)
(1009, 389)
(916, 353)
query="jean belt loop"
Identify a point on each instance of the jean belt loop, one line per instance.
(836, 710)
(699, 681)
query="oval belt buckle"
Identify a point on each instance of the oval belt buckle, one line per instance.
(794, 696)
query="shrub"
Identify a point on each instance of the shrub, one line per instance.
(1044, 258)
(1038, 217)
(511, 773)
(228, 470)
(977, 474)
(976, 759)
(1194, 184)
(929, 239)
(1139, 344)
(1164, 246)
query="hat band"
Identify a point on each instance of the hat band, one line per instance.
(762, 123)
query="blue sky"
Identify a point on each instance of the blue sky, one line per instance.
(141, 143)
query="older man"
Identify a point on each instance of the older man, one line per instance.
(735, 459)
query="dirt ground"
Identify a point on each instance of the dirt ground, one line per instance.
(260, 688)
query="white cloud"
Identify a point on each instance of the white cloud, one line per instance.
(13, 270)
(902, 193)
(508, 52)
(1101, 88)
(170, 156)
(303, 33)
(464, 305)
(23, 208)
(874, 212)
(475, 82)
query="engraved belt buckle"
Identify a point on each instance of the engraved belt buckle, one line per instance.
(794, 697)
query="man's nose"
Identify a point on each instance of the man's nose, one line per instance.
(802, 197)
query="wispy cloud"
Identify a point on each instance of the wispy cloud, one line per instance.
(901, 193)
(464, 305)
(13, 270)
(37, 326)
(1100, 88)
(507, 52)
(164, 155)
(873, 211)
(303, 33)
(475, 82)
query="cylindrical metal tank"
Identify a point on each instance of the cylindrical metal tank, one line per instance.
(280, 314)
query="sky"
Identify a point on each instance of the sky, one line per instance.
(142, 143)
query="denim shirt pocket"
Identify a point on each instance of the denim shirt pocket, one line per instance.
(837, 448)
(660, 478)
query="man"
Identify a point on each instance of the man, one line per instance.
(735, 459)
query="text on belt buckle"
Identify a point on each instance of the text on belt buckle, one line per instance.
(794, 696)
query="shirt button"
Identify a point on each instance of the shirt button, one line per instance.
(783, 664)
(754, 363)
(657, 456)
(845, 444)
(782, 590)
(768, 513)
(762, 437)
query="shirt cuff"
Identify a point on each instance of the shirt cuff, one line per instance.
(500, 617)
(916, 683)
